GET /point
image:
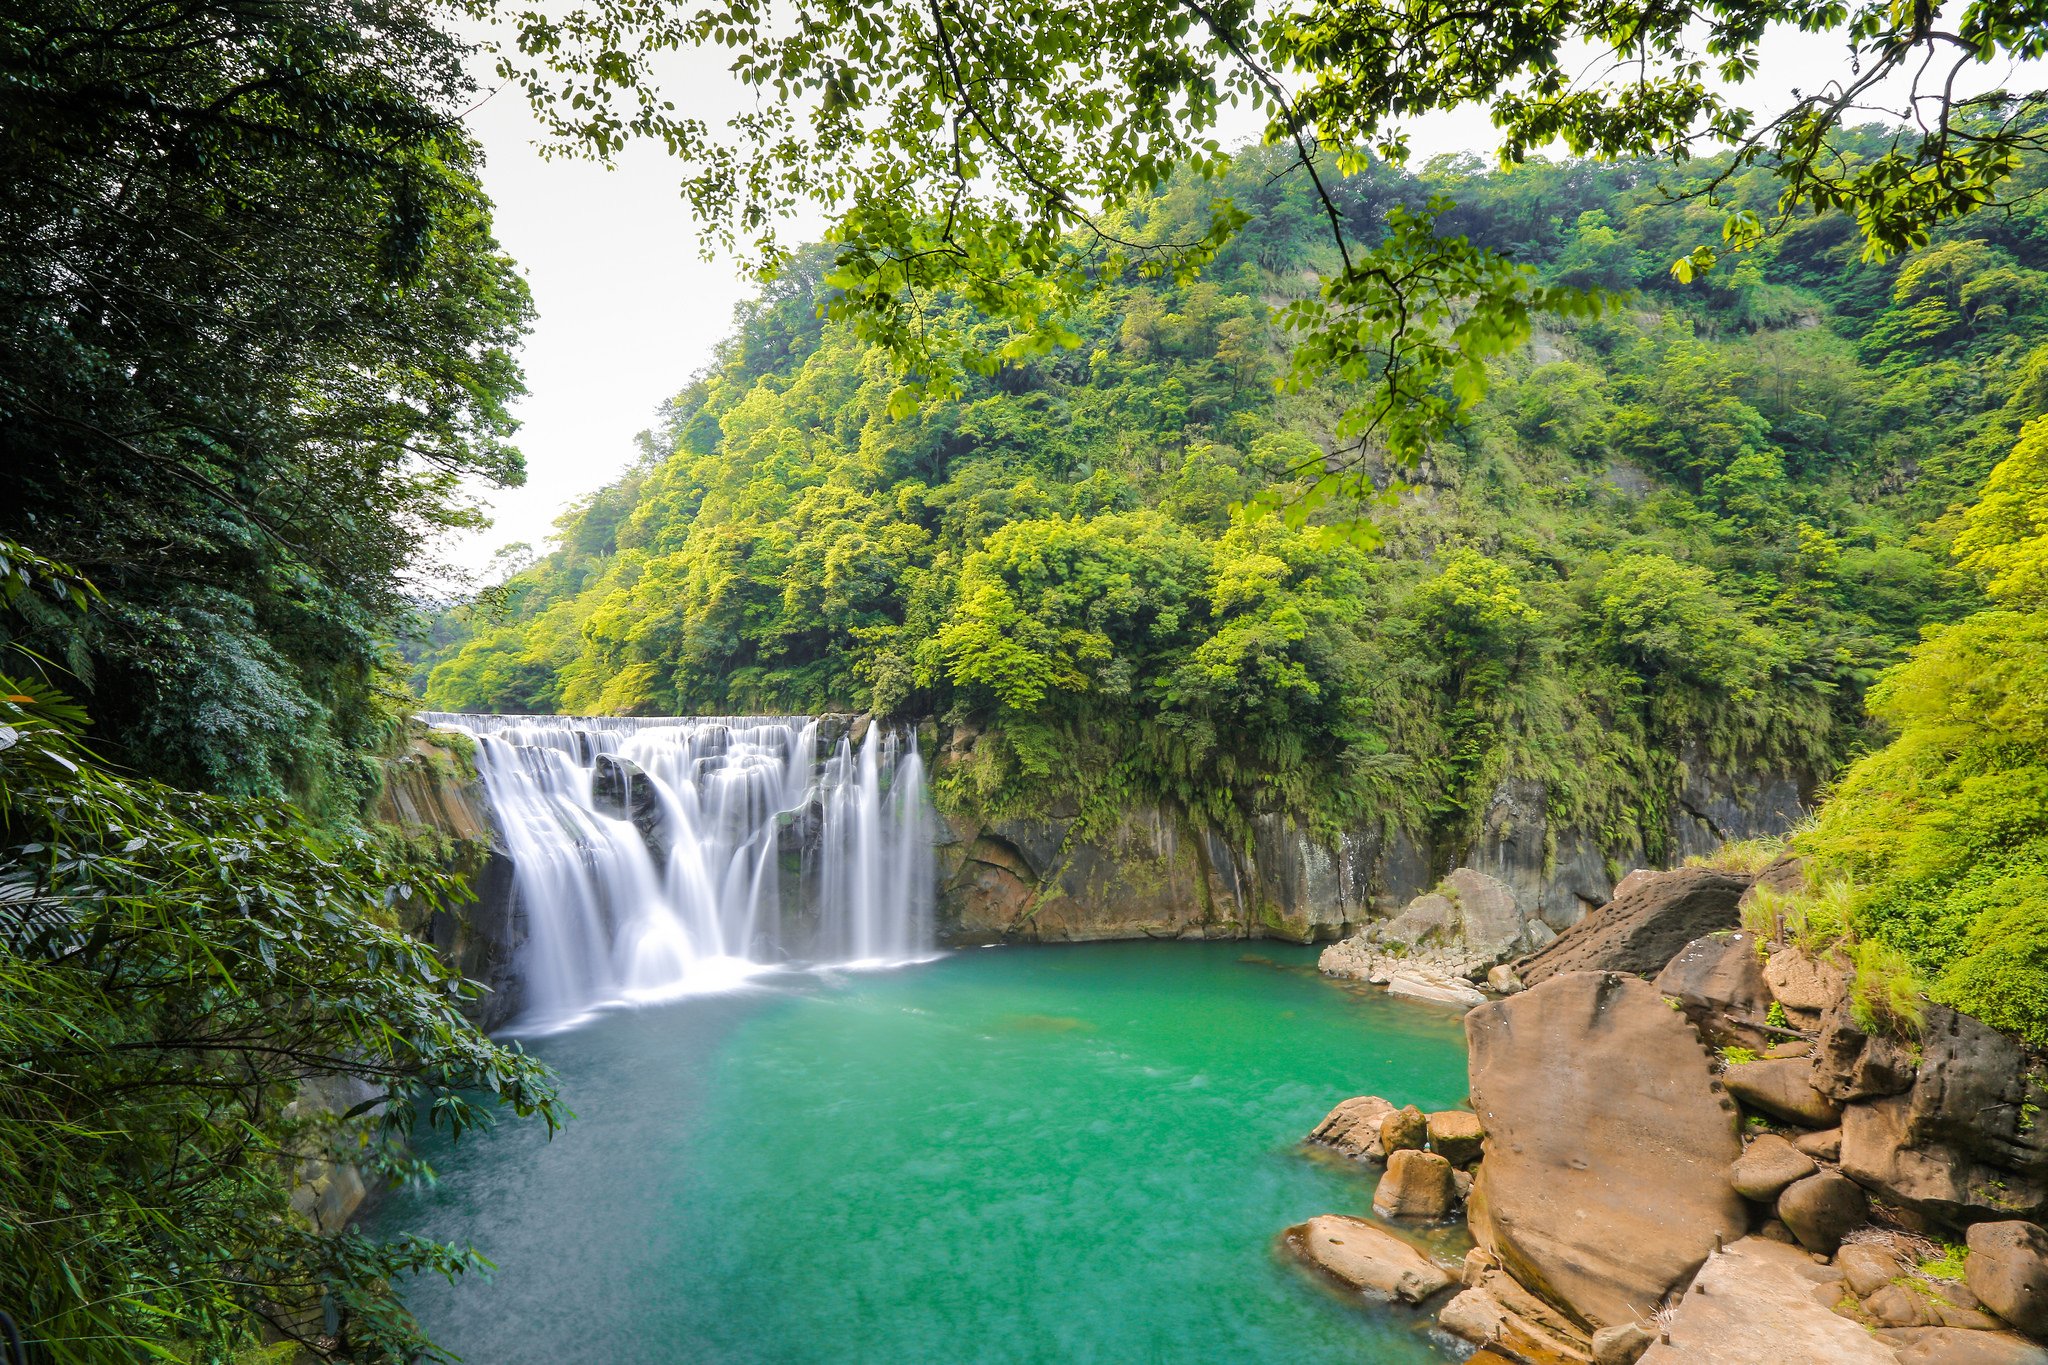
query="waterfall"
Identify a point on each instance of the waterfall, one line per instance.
(659, 857)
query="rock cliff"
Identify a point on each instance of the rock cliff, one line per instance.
(1159, 874)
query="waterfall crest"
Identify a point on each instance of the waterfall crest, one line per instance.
(656, 857)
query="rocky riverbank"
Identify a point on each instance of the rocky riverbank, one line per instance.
(1688, 1145)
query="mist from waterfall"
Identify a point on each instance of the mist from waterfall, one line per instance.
(755, 847)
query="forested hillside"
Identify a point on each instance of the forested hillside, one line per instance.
(1692, 530)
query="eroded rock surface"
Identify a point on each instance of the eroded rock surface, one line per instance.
(2008, 1272)
(1640, 931)
(1965, 1142)
(1608, 1144)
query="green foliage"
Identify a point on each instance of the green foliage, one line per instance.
(1738, 1056)
(1943, 834)
(1677, 544)
(1008, 154)
(175, 969)
(258, 335)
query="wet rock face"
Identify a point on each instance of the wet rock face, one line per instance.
(1640, 931)
(433, 788)
(1608, 1143)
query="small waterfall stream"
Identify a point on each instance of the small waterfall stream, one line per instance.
(656, 857)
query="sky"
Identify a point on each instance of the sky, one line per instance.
(629, 309)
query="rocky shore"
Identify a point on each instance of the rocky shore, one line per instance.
(1687, 1146)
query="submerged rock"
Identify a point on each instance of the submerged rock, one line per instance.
(1366, 1257)
(1608, 1144)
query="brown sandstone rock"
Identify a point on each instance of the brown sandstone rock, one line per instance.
(1621, 1344)
(1417, 1185)
(1868, 1267)
(1406, 1127)
(1643, 927)
(1353, 1128)
(2007, 1270)
(1897, 1305)
(1825, 1145)
(1605, 1182)
(1946, 1346)
(1849, 1064)
(1478, 1315)
(1822, 1209)
(1456, 1135)
(1767, 1166)
(1760, 1303)
(1963, 1144)
(1719, 983)
(1366, 1257)
(1783, 1090)
(1801, 982)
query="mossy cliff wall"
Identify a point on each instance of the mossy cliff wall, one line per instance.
(1156, 873)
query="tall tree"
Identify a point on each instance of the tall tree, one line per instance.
(257, 334)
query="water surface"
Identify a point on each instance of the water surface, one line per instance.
(1009, 1155)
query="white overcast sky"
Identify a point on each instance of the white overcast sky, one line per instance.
(628, 310)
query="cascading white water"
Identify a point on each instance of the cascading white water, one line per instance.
(734, 806)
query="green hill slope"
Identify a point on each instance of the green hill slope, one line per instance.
(1688, 534)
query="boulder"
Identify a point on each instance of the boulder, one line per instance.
(1353, 1128)
(1767, 1166)
(1869, 1267)
(1759, 1303)
(1608, 1143)
(1404, 1128)
(1492, 925)
(1895, 1305)
(1366, 1257)
(1501, 979)
(1822, 1209)
(1825, 1145)
(1801, 982)
(1849, 1064)
(1428, 921)
(1784, 1090)
(1476, 1315)
(1417, 1186)
(1621, 1344)
(1964, 1143)
(1457, 1136)
(1643, 928)
(1948, 1346)
(2007, 1270)
(1718, 982)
